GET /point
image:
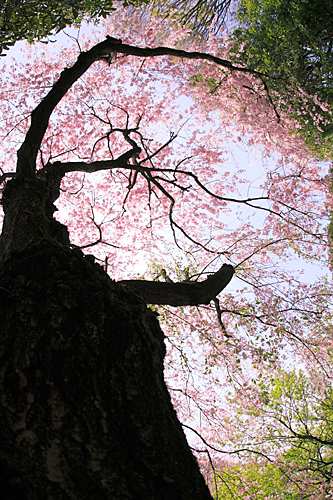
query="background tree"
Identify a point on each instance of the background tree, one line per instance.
(33, 20)
(292, 439)
(292, 42)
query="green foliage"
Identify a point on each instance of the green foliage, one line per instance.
(180, 270)
(305, 413)
(291, 41)
(292, 456)
(35, 19)
(257, 480)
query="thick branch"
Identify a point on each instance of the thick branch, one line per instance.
(54, 172)
(96, 166)
(188, 293)
(123, 48)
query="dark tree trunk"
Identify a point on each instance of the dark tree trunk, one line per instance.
(84, 410)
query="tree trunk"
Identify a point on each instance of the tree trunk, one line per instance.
(84, 410)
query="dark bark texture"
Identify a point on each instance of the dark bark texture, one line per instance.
(84, 410)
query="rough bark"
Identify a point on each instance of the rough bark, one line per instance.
(28, 221)
(84, 413)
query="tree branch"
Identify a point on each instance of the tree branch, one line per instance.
(189, 293)
(54, 172)
(6, 175)
(27, 154)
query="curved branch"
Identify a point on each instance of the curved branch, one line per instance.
(27, 154)
(189, 293)
(168, 51)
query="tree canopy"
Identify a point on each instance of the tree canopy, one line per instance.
(130, 135)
